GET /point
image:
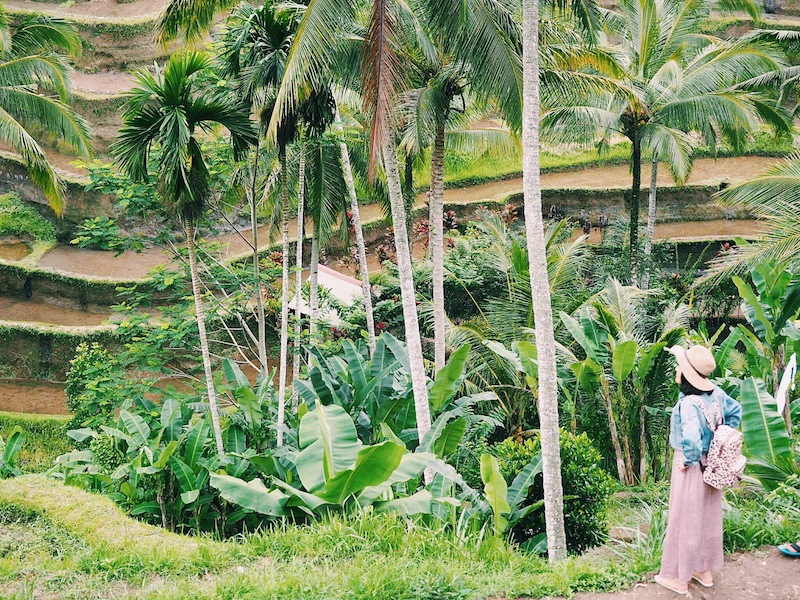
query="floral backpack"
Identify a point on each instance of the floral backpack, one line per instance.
(724, 462)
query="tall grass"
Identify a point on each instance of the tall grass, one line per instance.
(45, 439)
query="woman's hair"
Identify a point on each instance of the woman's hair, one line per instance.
(688, 389)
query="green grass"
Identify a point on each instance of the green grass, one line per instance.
(462, 170)
(72, 544)
(61, 542)
(45, 438)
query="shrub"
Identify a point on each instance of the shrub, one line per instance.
(102, 233)
(96, 386)
(586, 485)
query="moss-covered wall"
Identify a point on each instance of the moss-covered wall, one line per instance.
(104, 114)
(44, 352)
(45, 286)
(690, 203)
(80, 205)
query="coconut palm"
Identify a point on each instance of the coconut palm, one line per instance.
(34, 96)
(315, 55)
(668, 81)
(169, 109)
(443, 72)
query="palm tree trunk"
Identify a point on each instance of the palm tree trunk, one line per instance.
(408, 195)
(634, 206)
(542, 308)
(298, 263)
(651, 223)
(284, 296)
(407, 292)
(436, 225)
(200, 314)
(262, 322)
(313, 280)
(355, 216)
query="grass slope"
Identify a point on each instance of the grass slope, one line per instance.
(58, 541)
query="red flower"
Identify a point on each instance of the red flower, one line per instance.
(380, 325)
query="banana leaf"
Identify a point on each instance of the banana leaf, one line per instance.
(767, 442)
(252, 495)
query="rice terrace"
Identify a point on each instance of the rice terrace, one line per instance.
(381, 300)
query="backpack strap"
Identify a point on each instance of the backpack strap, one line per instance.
(713, 420)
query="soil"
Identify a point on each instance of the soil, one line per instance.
(136, 10)
(41, 397)
(30, 311)
(101, 263)
(108, 83)
(761, 575)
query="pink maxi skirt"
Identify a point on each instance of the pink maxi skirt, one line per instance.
(693, 542)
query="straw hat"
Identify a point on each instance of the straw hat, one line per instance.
(695, 364)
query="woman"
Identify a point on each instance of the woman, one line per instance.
(693, 543)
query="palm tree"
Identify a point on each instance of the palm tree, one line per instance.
(667, 81)
(34, 96)
(625, 369)
(507, 317)
(169, 109)
(542, 308)
(255, 48)
(446, 68)
(355, 218)
(323, 35)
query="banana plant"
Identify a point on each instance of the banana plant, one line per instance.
(770, 458)
(372, 390)
(377, 394)
(9, 451)
(336, 472)
(770, 309)
(506, 501)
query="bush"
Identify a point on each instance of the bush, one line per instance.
(586, 484)
(102, 233)
(96, 386)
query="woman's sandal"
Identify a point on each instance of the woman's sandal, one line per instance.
(670, 585)
(790, 549)
(698, 579)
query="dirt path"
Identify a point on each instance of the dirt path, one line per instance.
(706, 171)
(762, 575)
(97, 9)
(40, 397)
(31, 311)
(108, 83)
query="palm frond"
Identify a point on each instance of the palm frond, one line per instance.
(189, 18)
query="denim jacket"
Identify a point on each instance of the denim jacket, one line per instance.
(689, 430)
